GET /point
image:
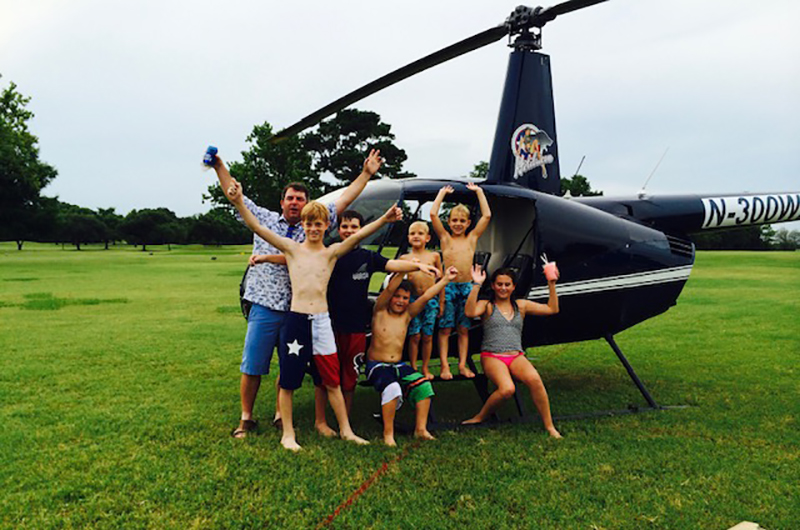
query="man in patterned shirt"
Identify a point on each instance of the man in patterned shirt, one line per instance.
(268, 286)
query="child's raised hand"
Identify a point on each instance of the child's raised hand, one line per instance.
(393, 214)
(447, 190)
(373, 162)
(234, 191)
(452, 274)
(473, 187)
(550, 269)
(478, 274)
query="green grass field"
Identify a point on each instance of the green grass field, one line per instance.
(119, 387)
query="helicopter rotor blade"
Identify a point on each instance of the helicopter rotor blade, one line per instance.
(445, 54)
(546, 15)
(520, 21)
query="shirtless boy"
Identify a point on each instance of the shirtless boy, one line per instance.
(348, 304)
(458, 249)
(391, 377)
(421, 328)
(307, 332)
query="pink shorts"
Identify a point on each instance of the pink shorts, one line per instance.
(504, 357)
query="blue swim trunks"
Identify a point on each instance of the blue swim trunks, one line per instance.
(455, 296)
(426, 319)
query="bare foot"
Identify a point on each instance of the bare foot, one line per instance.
(351, 437)
(325, 430)
(290, 444)
(472, 421)
(389, 440)
(427, 374)
(277, 422)
(423, 435)
(446, 374)
(554, 433)
(466, 372)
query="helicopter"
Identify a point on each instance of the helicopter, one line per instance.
(622, 260)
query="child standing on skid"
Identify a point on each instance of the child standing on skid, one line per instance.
(502, 356)
(306, 332)
(420, 331)
(458, 249)
(385, 371)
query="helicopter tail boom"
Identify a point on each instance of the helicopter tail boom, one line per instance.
(689, 214)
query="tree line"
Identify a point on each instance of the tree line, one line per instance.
(323, 159)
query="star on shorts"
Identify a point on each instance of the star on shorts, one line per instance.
(294, 347)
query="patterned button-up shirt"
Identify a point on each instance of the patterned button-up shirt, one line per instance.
(268, 283)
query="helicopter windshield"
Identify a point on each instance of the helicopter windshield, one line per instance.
(373, 202)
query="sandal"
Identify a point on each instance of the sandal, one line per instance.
(245, 427)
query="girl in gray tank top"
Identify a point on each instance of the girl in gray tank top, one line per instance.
(502, 356)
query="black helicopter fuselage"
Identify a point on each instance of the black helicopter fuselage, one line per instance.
(615, 272)
(622, 261)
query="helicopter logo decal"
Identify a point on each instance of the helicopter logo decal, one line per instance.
(529, 145)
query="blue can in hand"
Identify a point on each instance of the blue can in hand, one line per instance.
(211, 154)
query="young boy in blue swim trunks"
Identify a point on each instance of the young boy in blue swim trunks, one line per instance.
(306, 333)
(458, 250)
(391, 377)
(420, 331)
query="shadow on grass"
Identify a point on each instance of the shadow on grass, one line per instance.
(48, 302)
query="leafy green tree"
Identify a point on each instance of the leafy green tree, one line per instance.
(112, 220)
(341, 144)
(156, 226)
(83, 228)
(218, 227)
(784, 239)
(267, 168)
(480, 171)
(22, 174)
(578, 186)
(739, 238)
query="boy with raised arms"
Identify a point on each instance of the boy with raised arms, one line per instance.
(420, 331)
(348, 305)
(391, 377)
(458, 250)
(307, 332)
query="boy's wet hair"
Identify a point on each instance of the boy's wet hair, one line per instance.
(406, 286)
(352, 214)
(314, 211)
(419, 224)
(296, 186)
(460, 208)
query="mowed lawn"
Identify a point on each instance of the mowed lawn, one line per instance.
(119, 388)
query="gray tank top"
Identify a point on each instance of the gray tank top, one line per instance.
(501, 335)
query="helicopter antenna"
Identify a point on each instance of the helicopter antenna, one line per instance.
(579, 166)
(642, 193)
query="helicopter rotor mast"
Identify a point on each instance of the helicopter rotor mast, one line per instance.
(521, 20)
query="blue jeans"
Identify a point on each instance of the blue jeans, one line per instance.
(263, 330)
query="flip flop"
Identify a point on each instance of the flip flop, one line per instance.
(245, 427)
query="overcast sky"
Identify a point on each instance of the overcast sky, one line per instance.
(128, 94)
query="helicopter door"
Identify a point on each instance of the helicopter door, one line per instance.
(509, 239)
